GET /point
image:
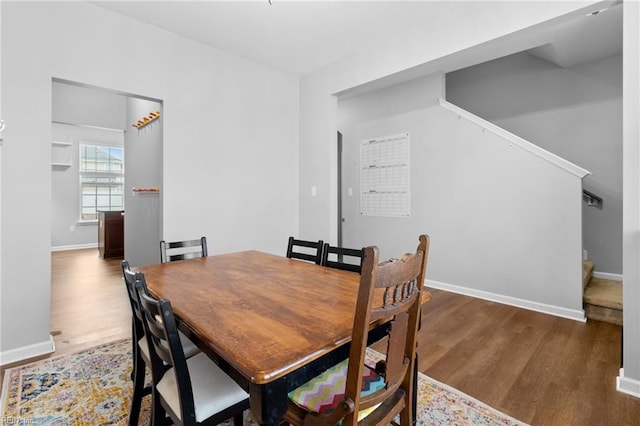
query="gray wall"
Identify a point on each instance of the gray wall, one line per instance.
(494, 211)
(466, 33)
(396, 109)
(86, 107)
(143, 169)
(575, 113)
(629, 379)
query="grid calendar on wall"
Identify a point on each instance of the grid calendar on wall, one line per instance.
(384, 176)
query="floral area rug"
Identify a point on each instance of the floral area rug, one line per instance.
(93, 387)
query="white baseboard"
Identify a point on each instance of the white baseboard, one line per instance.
(607, 276)
(29, 351)
(74, 247)
(572, 314)
(627, 385)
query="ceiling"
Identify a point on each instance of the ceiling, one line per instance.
(298, 37)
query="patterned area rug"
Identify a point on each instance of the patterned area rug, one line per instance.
(93, 387)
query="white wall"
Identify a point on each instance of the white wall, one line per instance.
(629, 380)
(230, 143)
(575, 113)
(1, 138)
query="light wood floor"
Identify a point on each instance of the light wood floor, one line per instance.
(89, 304)
(540, 369)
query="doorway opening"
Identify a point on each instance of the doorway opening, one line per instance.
(105, 163)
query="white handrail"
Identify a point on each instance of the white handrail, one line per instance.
(517, 140)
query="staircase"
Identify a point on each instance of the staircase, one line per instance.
(602, 298)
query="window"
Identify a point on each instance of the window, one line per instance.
(101, 179)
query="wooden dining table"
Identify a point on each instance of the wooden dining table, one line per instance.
(270, 322)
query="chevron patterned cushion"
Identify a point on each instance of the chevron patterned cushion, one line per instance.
(322, 393)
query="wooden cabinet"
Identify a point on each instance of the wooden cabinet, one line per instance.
(110, 234)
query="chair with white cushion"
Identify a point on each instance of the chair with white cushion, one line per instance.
(140, 348)
(351, 392)
(191, 391)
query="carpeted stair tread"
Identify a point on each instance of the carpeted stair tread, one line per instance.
(587, 271)
(600, 313)
(602, 298)
(604, 293)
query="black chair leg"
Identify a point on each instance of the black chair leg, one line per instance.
(139, 390)
(158, 415)
(134, 350)
(238, 420)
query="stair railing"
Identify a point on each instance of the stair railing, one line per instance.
(592, 199)
(517, 141)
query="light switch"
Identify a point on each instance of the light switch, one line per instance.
(350, 192)
(314, 191)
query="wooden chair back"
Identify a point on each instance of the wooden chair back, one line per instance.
(400, 282)
(305, 250)
(388, 291)
(179, 250)
(346, 259)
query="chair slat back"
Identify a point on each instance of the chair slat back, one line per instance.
(140, 358)
(130, 278)
(165, 346)
(346, 259)
(400, 282)
(310, 251)
(180, 250)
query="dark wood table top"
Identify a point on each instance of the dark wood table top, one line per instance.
(265, 315)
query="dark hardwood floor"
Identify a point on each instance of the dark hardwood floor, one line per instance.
(540, 369)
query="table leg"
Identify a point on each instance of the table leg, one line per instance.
(268, 402)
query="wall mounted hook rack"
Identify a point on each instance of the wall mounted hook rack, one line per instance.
(147, 119)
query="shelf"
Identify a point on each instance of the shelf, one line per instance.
(61, 155)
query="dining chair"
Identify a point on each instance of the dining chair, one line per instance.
(346, 259)
(191, 391)
(305, 250)
(179, 250)
(140, 348)
(352, 392)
